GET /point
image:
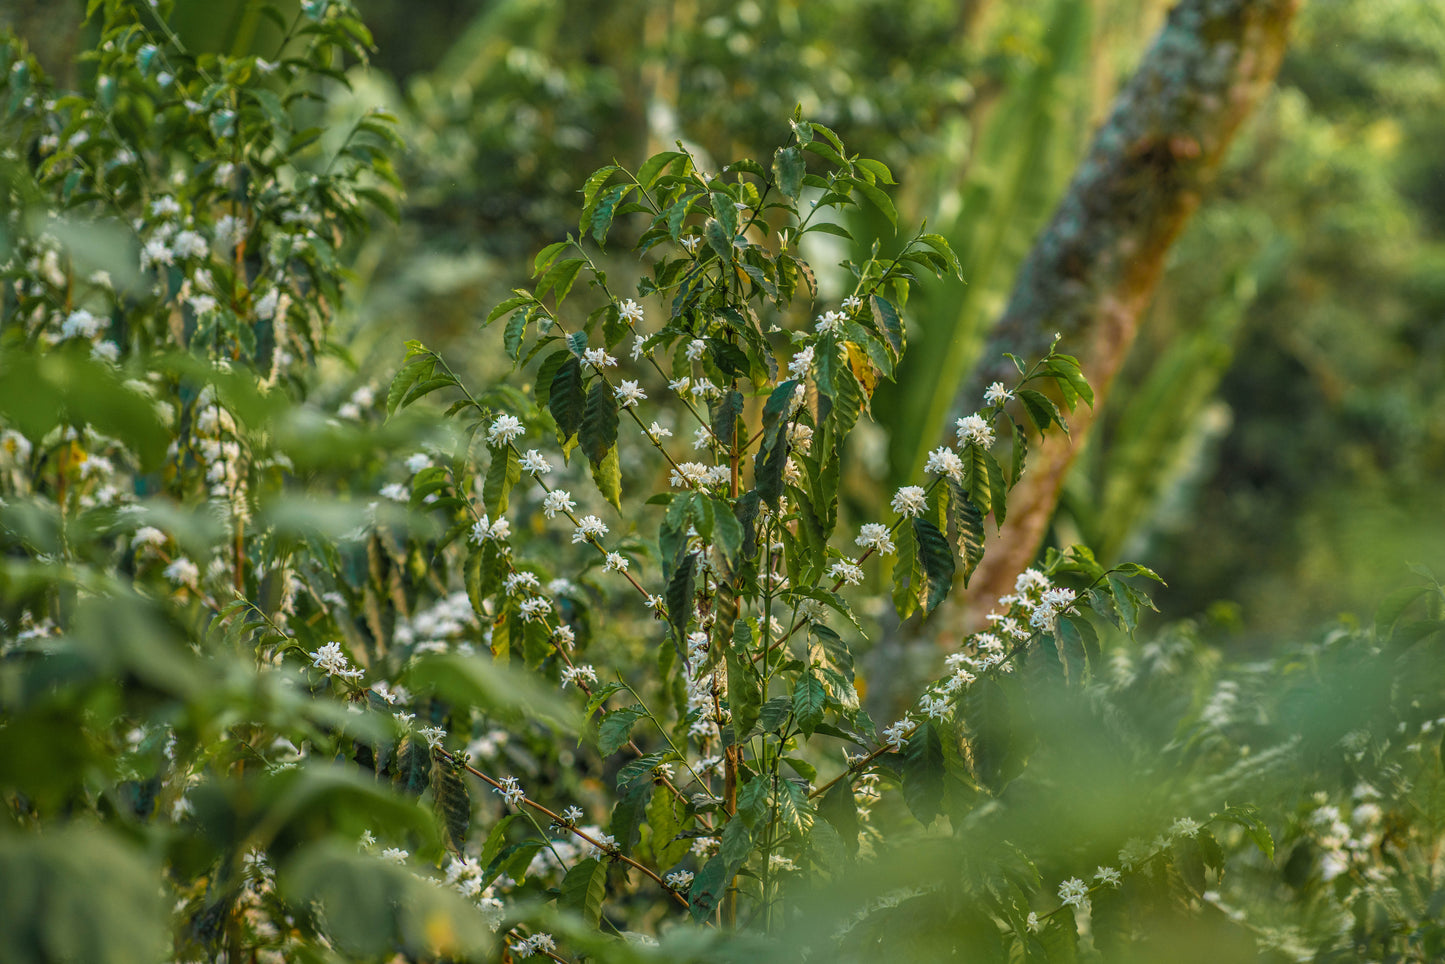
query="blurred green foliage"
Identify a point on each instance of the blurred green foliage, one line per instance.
(1273, 449)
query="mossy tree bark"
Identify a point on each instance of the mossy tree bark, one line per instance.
(1093, 270)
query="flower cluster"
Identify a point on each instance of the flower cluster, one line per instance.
(333, 662)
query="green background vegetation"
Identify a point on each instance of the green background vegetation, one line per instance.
(1276, 441)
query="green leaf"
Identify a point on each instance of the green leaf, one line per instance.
(975, 477)
(788, 171)
(878, 198)
(666, 815)
(80, 894)
(607, 475)
(542, 384)
(591, 188)
(877, 169)
(583, 889)
(655, 165)
(544, 258)
(642, 768)
(716, 875)
(375, 908)
(828, 227)
(718, 239)
(452, 801)
(990, 733)
(1249, 819)
(997, 487)
(567, 401)
(968, 522)
(726, 410)
(908, 579)
(940, 244)
(615, 731)
(753, 802)
(494, 688)
(413, 766)
(512, 335)
(598, 432)
(679, 597)
(504, 472)
(625, 825)
(885, 316)
(839, 809)
(510, 304)
(745, 685)
(808, 700)
(923, 772)
(560, 277)
(606, 208)
(1041, 410)
(937, 559)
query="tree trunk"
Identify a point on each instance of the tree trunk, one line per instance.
(1093, 270)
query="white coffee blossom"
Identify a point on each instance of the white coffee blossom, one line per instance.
(629, 394)
(996, 394)
(558, 500)
(830, 322)
(875, 535)
(572, 814)
(934, 707)
(434, 736)
(679, 879)
(183, 572)
(1109, 876)
(519, 582)
(897, 734)
(511, 791)
(535, 608)
(483, 530)
(657, 433)
(534, 944)
(616, 562)
(590, 527)
(536, 463)
(415, 463)
(266, 308)
(695, 349)
(802, 363)
(598, 358)
(852, 302)
(148, 537)
(630, 311)
(504, 429)
(190, 244)
(800, 437)
(975, 429)
(333, 662)
(945, 461)
(578, 675)
(1075, 893)
(846, 570)
(688, 475)
(81, 324)
(156, 251)
(910, 500)
(395, 855)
